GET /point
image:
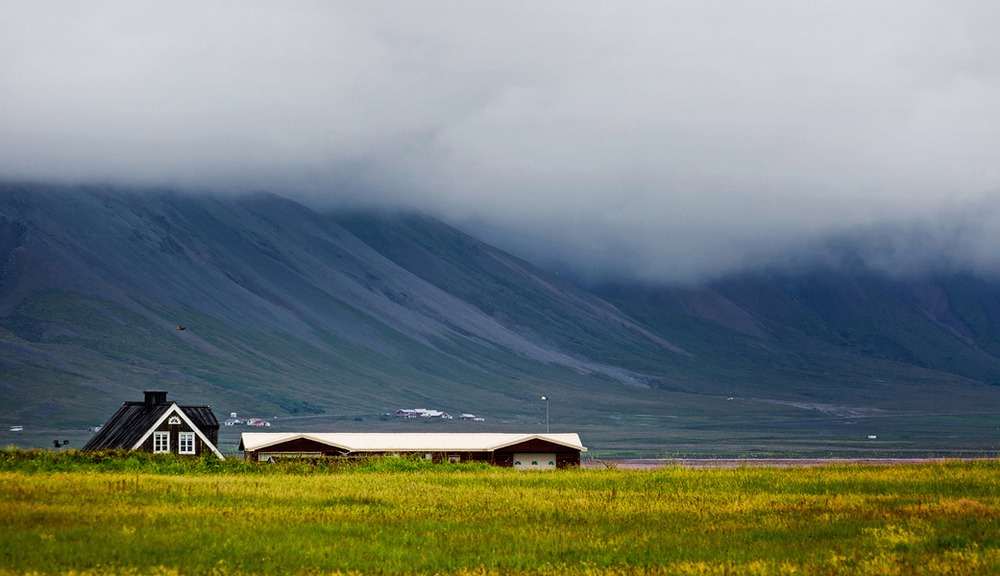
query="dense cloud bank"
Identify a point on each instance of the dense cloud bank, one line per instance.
(668, 141)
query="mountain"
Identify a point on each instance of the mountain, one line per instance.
(327, 319)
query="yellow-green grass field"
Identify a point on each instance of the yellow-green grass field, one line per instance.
(158, 516)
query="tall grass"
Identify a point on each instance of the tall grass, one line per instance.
(406, 517)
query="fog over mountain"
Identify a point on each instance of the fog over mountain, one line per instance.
(260, 305)
(661, 141)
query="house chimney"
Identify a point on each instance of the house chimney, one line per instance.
(154, 397)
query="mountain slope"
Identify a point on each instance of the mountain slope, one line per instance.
(946, 324)
(268, 291)
(327, 319)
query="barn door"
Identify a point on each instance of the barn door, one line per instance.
(534, 461)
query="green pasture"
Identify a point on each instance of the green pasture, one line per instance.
(75, 514)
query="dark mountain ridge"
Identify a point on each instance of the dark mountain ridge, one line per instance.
(326, 319)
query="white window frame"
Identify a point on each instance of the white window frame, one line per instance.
(186, 447)
(161, 442)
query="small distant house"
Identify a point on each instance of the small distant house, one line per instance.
(522, 451)
(234, 420)
(159, 426)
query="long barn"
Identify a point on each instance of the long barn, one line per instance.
(522, 451)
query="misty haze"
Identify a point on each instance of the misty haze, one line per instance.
(639, 210)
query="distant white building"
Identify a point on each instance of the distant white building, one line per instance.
(233, 420)
(405, 413)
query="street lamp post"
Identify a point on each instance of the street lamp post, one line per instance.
(546, 400)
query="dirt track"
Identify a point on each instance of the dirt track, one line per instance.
(654, 463)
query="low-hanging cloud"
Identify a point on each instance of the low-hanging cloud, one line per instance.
(665, 141)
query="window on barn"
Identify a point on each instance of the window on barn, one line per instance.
(185, 443)
(161, 442)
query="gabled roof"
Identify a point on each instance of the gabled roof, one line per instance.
(191, 424)
(133, 423)
(405, 442)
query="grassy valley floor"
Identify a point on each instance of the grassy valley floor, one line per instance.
(127, 514)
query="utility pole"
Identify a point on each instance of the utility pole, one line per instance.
(546, 400)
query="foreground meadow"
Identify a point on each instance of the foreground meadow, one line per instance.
(168, 518)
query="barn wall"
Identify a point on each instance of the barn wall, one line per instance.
(436, 456)
(293, 446)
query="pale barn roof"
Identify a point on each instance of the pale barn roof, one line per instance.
(406, 442)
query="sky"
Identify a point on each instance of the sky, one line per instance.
(664, 141)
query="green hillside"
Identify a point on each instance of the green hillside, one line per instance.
(326, 320)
